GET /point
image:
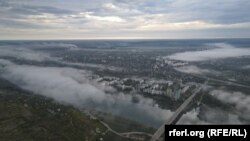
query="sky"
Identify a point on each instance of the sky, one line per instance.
(124, 19)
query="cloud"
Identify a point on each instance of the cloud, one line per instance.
(192, 69)
(246, 67)
(72, 86)
(12, 23)
(4, 62)
(111, 6)
(32, 52)
(239, 100)
(102, 18)
(52, 44)
(208, 115)
(121, 9)
(215, 115)
(23, 53)
(191, 118)
(180, 10)
(214, 11)
(22, 15)
(221, 51)
(15, 8)
(28, 52)
(124, 18)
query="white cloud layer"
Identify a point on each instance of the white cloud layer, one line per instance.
(221, 51)
(22, 53)
(27, 52)
(72, 86)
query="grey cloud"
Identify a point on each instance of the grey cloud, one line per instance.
(216, 15)
(239, 100)
(190, 118)
(209, 115)
(15, 24)
(14, 15)
(193, 70)
(221, 51)
(224, 12)
(246, 67)
(218, 116)
(22, 9)
(22, 53)
(27, 52)
(229, 12)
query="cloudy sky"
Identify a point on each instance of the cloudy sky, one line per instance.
(84, 19)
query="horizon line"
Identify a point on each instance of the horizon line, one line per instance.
(57, 39)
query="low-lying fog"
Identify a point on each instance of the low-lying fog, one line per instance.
(72, 86)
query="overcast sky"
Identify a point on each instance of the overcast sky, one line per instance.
(84, 19)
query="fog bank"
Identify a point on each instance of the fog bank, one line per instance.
(72, 86)
(221, 51)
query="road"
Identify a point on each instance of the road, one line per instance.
(160, 130)
(135, 133)
(110, 129)
(125, 134)
(222, 81)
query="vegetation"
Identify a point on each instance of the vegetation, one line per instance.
(29, 117)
